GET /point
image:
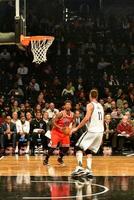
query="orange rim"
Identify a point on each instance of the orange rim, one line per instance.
(25, 40)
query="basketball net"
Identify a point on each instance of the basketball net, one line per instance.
(39, 49)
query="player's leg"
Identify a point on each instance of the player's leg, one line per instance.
(89, 142)
(62, 153)
(93, 148)
(48, 154)
(89, 159)
(65, 142)
(54, 140)
(79, 148)
(79, 156)
(89, 163)
(79, 170)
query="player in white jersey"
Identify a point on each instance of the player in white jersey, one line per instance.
(91, 140)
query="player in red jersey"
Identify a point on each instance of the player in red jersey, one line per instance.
(60, 132)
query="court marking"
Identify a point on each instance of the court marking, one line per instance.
(1, 157)
(66, 197)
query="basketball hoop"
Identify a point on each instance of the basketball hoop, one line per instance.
(39, 46)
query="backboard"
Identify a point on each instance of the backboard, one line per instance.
(12, 21)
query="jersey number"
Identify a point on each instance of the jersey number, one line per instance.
(100, 115)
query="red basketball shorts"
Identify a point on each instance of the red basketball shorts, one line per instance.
(58, 137)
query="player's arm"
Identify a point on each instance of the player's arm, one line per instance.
(86, 118)
(74, 121)
(56, 118)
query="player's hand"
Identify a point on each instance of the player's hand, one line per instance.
(63, 128)
(74, 130)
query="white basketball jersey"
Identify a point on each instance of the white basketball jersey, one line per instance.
(96, 122)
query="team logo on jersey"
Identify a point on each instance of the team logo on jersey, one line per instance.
(41, 125)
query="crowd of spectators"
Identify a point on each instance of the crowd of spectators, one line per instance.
(87, 52)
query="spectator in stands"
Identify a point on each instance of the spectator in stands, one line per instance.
(107, 105)
(125, 65)
(118, 94)
(38, 129)
(126, 108)
(101, 101)
(22, 143)
(81, 97)
(117, 114)
(28, 116)
(23, 71)
(5, 55)
(130, 118)
(52, 111)
(121, 101)
(77, 119)
(37, 108)
(35, 85)
(6, 110)
(80, 108)
(131, 99)
(17, 92)
(46, 107)
(113, 105)
(16, 121)
(15, 107)
(22, 109)
(8, 136)
(125, 132)
(79, 84)
(68, 92)
(112, 81)
(109, 141)
(28, 107)
(41, 99)
(48, 129)
(47, 120)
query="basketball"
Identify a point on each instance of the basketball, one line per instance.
(67, 131)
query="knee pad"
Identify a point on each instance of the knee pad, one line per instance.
(88, 151)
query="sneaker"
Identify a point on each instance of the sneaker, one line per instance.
(27, 150)
(60, 161)
(129, 155)
(45, 162)
(82, 179)
(79, 171)
(89, 174)
(16, 150)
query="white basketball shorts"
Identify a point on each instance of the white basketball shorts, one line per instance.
(90, 140)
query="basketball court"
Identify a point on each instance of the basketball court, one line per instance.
(25, 177)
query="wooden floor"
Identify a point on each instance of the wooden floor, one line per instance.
(32, 166)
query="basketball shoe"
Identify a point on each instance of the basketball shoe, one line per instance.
(79, 171)
(60, 161)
